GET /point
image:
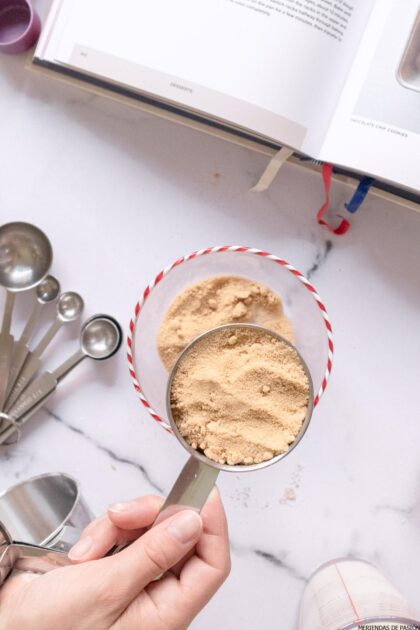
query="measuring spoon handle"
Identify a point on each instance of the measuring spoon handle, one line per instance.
(66, 367)
(21, 349)
(31, 323)
(20, 353)
(37, 393)
(7, 313)
(31, 365)
(6, 352)
(10, 430)
(6, 347)
(48, 337)
(40, 388)
(28, 370)
(43, 386)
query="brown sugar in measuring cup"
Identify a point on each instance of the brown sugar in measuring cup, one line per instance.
(240, 397)
(199, 475)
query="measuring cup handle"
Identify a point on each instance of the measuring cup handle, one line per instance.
(6, 563)
(66, 539)
(29, 558)
(191, 490)
(36, 558)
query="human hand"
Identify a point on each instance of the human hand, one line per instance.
(119, 592)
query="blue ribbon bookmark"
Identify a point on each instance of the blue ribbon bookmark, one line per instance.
(359, 194)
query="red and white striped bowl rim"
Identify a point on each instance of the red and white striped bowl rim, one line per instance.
(213, 250)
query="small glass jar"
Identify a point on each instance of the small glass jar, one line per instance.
(349, 594)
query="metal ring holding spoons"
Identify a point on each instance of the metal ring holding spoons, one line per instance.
(10, 423)
(199, 474)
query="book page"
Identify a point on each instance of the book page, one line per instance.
(275, 67)
(376, 127)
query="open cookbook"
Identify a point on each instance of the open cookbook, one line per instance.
(336, 80)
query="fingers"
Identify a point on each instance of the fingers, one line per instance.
(176, 602)
(100, 540)
(152, 555)
(124, 584)
(123, 523)
(204, 573)
(14, 584)
(141, 512)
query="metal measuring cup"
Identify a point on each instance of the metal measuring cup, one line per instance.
(199, 474)
(28, 558)
(40, 520)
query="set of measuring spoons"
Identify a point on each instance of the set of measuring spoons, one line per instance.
(25, 261)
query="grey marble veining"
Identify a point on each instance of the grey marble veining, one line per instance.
(107, 451)
(320, 258)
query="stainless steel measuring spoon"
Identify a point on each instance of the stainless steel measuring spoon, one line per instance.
(199, 474)
(25, 259)
(100, 338)
(46, 292)
(69, 309)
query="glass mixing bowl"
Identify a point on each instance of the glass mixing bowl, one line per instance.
(301, 302)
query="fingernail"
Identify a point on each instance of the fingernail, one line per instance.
(214, 494)
(185, 526)
(81, 548)
(119, 508)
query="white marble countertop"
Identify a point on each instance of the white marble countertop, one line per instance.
(121, 195)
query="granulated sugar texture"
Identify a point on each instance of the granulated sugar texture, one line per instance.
(240, 396)
(217, 301)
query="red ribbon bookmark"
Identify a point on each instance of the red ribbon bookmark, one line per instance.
(351, 206)
(344, 225)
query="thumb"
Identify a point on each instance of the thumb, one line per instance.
(153, 554)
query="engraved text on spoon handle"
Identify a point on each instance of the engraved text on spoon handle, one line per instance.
(36, 391)
(30, 368)
(20, 353)
(6, 352)
(7, 433)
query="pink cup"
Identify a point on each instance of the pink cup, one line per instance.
(20, 26)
